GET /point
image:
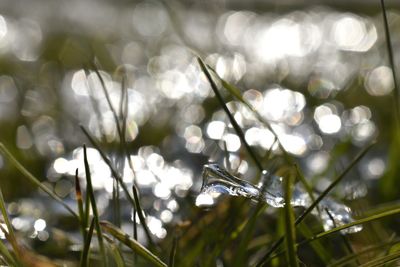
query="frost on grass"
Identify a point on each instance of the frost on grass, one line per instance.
(217, 181)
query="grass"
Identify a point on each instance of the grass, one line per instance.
(236, 232)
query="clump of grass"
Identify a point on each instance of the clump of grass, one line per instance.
(208, 234)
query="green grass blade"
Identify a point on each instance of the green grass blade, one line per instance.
(391, 60)
(118, 258)
(349, 258)
(289, 224)
(9, 233)
(34, 180)
(172, 255)
(90, 192)
(107, 95)
(382, 260)
(357, 222)
(7, 257)
(247, 229)
(132, 244)
(235, 125)
(122, 184)
(317, 246)
(316, 202)
(86, 246)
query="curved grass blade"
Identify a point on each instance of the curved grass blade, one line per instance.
(132, 244)
(34, 180)
(86, 247)
(122, 184)
(94, 207)
(289, 224)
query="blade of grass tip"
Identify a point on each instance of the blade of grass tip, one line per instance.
(122, 184)
(391, 60)
(172, 254)
(79, 201)
(86, 246)
(232, 120)
(107, 95)
(132, 244)
(90, 192)
(289, 224)
(317, 201)
(9, 232)
(34, 180)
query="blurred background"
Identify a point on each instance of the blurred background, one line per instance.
(318, 71)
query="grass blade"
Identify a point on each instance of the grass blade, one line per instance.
(94, 207)
(7, 257)
(247, 228)
(316, 202)
(79, 201)
(132, 244)
(289, 224)
(118, 259)
(107, 95)
(10, 236)
(122, 184)
(86, 247)
(235, 125)
(349, 258)
(391, 60)
(9, 231)
(34, 180)
(172, 254)
(382, 260)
